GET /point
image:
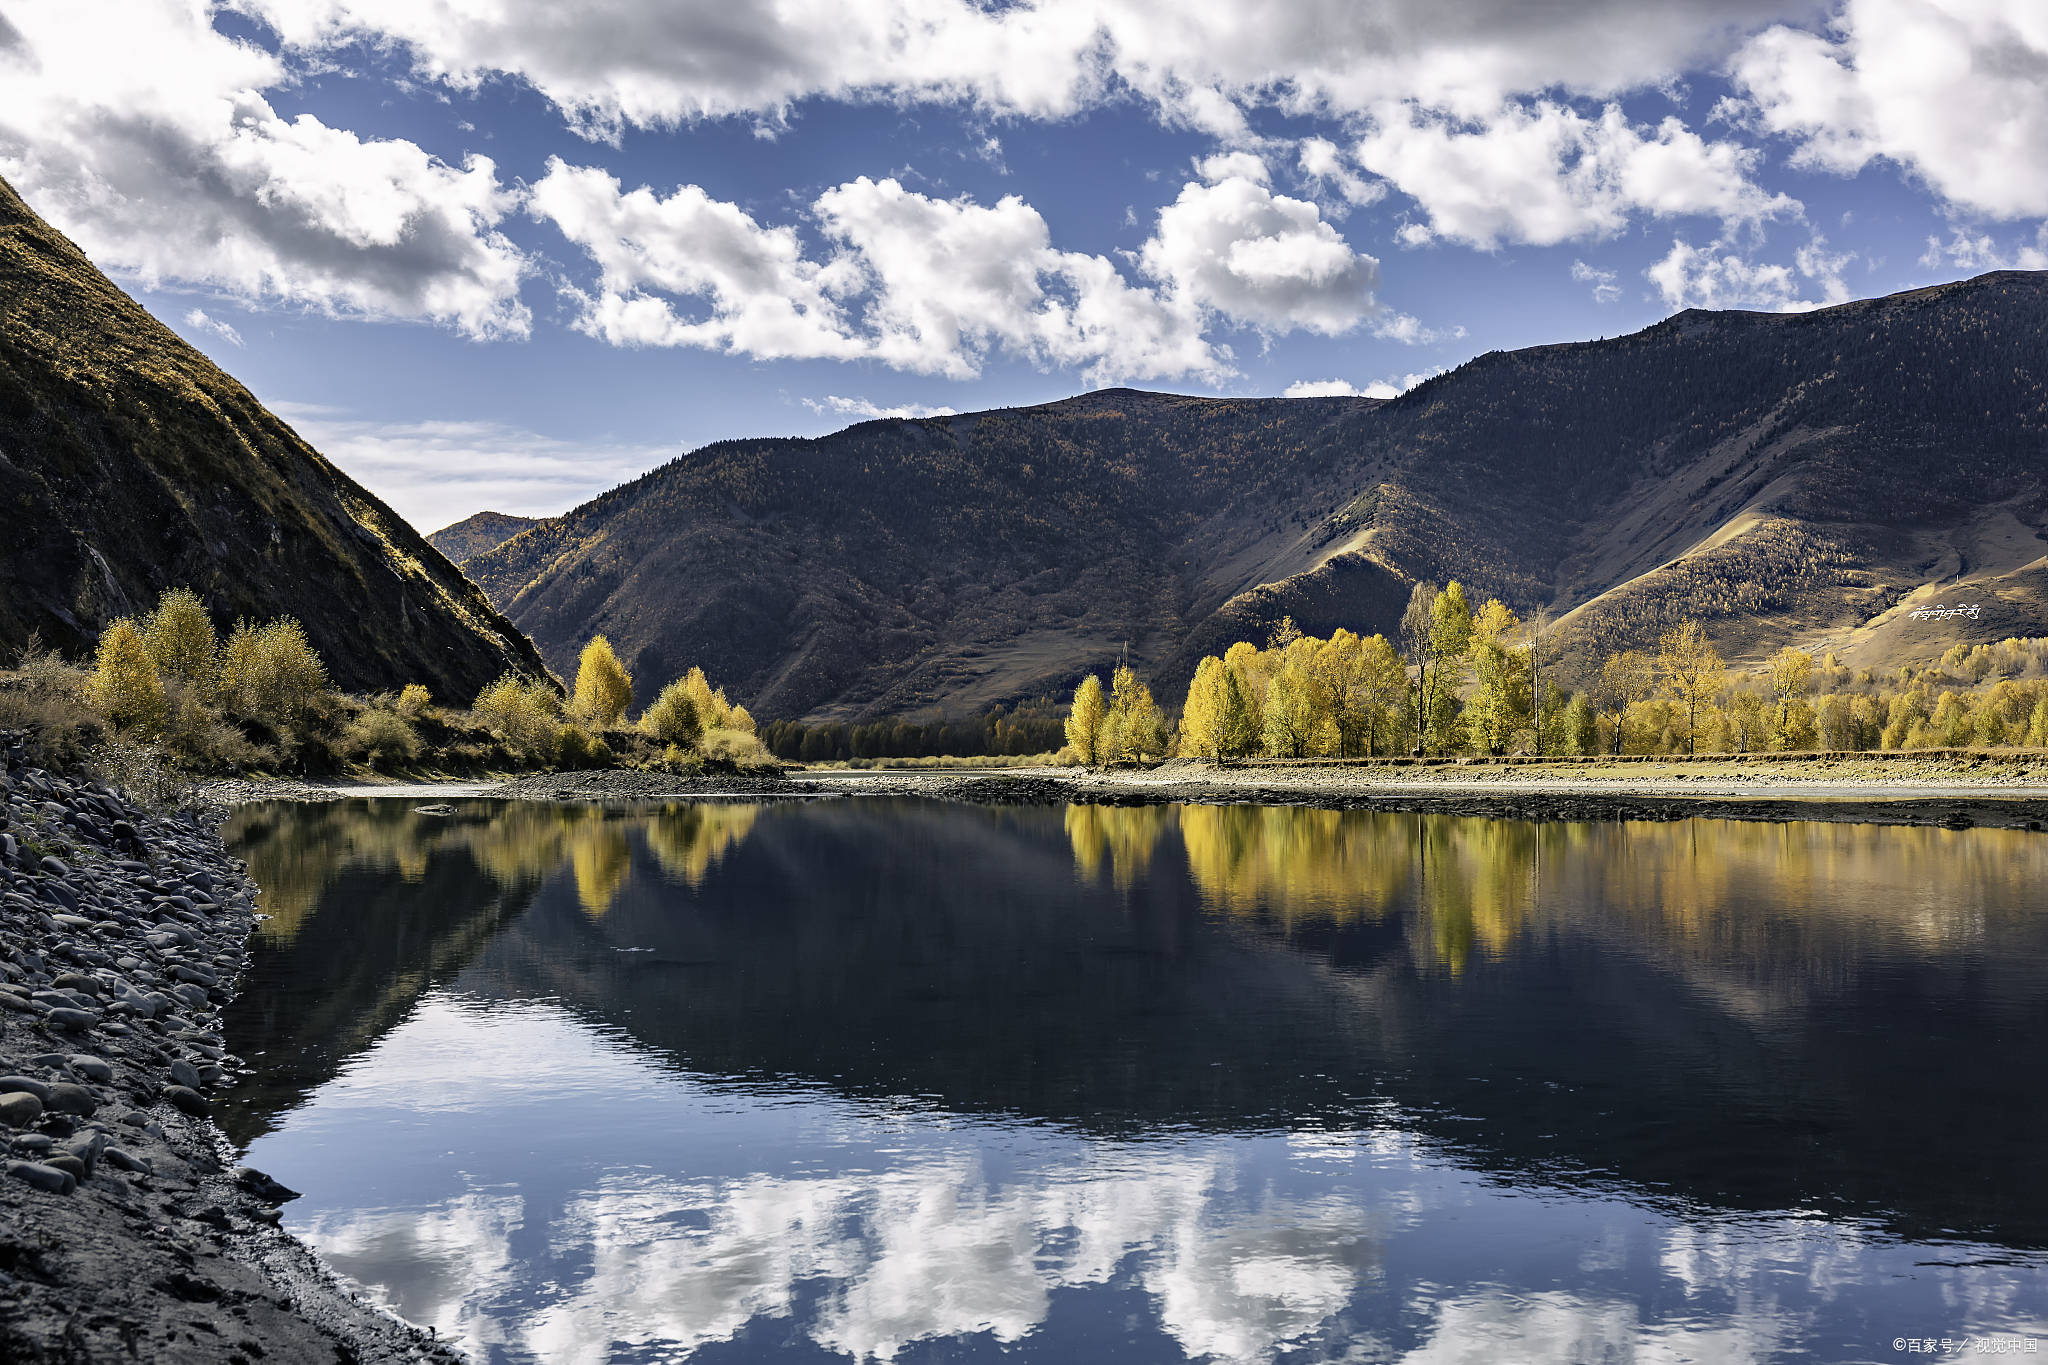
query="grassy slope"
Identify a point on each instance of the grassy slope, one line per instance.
(130, 463)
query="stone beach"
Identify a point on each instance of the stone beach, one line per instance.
(126, 1230)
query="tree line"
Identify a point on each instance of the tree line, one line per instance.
(1484, 681)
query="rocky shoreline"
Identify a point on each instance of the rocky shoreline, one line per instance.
(126, 1230)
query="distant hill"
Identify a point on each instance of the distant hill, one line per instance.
(129, 463)
(475, 534)
(1810, 478)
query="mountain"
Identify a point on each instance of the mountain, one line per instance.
(473, 535)
(1812, 478)
(129, 464)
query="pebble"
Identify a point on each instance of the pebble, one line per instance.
(188, 1100)
(19, 1109)
(53, 1179)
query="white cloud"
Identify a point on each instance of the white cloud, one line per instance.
(1322, 163)
(866, 410)
(198, 321)
(935, 286)
(1546, 173)
(655, 65)
(143, 134)
(1714, 276)
(1339, 388)
(1605, 290)
(1954, 91)
(1980, 252)
(766, 298)
(1257, 257)
(435, 473)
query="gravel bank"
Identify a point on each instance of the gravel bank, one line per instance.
(1997, 791)
(126, 1233)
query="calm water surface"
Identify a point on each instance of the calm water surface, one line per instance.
(895, 1080)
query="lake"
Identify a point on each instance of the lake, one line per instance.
(900, 1080)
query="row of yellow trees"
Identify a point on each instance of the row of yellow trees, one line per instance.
(1483, 681)
(169, 679)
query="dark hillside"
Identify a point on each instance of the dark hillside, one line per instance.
(129, 463)
(1808, 478)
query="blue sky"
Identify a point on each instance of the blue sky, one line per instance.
(506, 255)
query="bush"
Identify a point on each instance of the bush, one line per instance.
(732, 746)
(198, 738)
(383, 739)
(139, 771)
(180, 637)
(673, 720)
(124, 683)
(524, 713)
(48, 703)
(413, 701)
(272, 674)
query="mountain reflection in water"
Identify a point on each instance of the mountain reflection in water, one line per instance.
(889, 1079)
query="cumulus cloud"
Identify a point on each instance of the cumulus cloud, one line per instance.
(652, 64)
(1341, 388)
(1322, 164)
(1235, 247)
(142, 133)
(867, 410)
(1715, 276)
(1953, 91)
(1546, 173)
(198, 321)
(934, 286)
(1605, 290)
(434, 473)
(1979, 251)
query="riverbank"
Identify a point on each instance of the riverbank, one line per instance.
(126, 1231)
(1999, 790)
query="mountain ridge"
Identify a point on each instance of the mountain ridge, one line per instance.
(1807, 478)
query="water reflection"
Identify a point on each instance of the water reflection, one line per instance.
(896, 1080)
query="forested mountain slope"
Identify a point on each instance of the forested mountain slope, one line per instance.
(474, 534)
(129, 463)
(1810, 477)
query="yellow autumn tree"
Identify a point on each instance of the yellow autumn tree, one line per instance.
(124, 684)
(1201, 716)
(1085, 720)
(181, 641)
(1134, 727)
(672, 718)
(1690, 666)
(603, 688)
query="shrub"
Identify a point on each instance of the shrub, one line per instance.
(124, 683)
(603, 689)
(731, 746)
(673, 720)
(413, 701)
(139, 771)
(272, 674)
(523, 712)
(48, 703)
(573, 749)
(180, 637)
(382, 739)
(198, 738)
